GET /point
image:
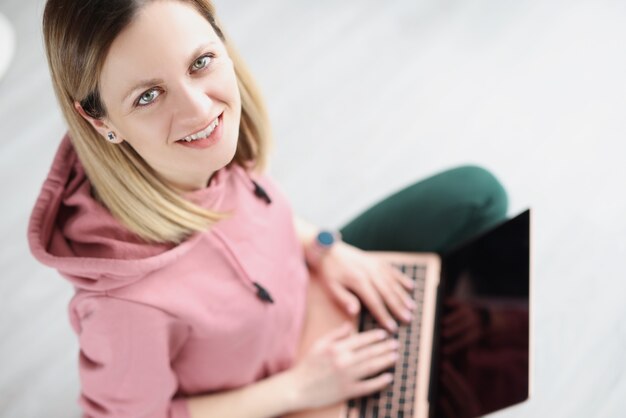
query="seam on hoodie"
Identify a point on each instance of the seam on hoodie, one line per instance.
(233, 259)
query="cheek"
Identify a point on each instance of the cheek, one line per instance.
(229, 92)
(227, 84)
(148, 132)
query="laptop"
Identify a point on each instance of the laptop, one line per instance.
(466, 352)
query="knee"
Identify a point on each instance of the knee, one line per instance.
(486, 187)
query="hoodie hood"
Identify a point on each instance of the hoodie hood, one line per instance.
(72, 232)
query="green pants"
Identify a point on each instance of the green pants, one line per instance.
(431, 215)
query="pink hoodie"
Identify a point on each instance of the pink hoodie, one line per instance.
(158, 323)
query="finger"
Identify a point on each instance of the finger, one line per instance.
(405, 280)
(457, 314)
(454, 402)
(339, 332)
(451, 396)
(404, 287)
(406, 298)
(374, 350)
(369, 386)
(452, 347)
(463, 341)
(452, 317)
(391, 298)
(374, 365)
(363, 339)
(461, 389)
(346, 300)
(374, 303)
(461, 325)
(455, 345)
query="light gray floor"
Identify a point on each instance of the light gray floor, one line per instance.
(365, 97)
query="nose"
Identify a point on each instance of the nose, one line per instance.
(192, 107)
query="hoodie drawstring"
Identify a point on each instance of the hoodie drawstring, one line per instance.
(261, 292)
(258, 190)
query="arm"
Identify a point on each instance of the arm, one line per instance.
(306, 231)
(125, 353)
(271, 397)
(351, 274)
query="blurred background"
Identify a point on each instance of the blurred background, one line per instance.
(367, 97)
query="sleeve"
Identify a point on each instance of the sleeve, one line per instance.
(126, 349)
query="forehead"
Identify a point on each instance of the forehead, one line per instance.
(158, 40)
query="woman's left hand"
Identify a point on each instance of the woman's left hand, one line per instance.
(384, 289)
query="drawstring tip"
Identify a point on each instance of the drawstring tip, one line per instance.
(260, 192)
(262, 293)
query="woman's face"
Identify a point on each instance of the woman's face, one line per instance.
(166, 77)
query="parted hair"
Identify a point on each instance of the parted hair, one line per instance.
(77, 36)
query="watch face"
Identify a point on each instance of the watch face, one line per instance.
(325, 238)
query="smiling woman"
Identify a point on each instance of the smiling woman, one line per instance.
(189, 267)
(150, 93)
(191, 82)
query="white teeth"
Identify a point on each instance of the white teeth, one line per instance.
(203, 134)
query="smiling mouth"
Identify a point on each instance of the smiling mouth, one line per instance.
(204, 132)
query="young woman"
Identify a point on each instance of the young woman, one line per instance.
(189, 267)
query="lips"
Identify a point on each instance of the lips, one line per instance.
(209, 141)
(212, 120)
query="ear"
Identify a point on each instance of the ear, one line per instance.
(98, 124)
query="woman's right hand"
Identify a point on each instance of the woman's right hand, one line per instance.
(340, 364)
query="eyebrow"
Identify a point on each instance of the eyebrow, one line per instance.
(151, 82)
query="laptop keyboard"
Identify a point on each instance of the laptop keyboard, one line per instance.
(398, 400)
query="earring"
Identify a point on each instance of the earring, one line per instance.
(111, 136)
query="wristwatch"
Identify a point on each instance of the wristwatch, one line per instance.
(322, 243)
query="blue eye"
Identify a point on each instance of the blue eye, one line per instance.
(202, 62)
(147, 97)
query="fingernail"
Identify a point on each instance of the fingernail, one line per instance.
(406, 315)
(411, 303)
(392, 326)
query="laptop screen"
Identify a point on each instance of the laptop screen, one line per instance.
(481, 341)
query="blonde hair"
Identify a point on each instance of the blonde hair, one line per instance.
(77, 38)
